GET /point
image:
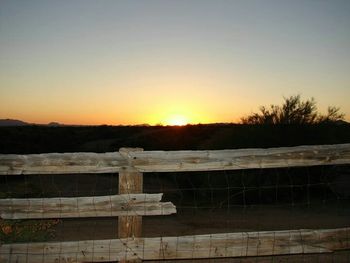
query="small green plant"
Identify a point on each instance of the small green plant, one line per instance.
(27, 230)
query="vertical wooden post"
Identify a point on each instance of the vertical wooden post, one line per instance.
(130, 182)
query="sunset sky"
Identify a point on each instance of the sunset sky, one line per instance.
(135, 62)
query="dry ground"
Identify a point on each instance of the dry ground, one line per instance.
(193, 220)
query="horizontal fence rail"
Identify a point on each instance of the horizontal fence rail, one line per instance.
(264, 243)
(131, 204)
(92, 206)
(170, 161)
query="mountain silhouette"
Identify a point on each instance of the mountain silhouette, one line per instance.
(11, 122)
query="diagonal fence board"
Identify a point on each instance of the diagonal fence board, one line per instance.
(179, 161)
(242, 244)
(94, 206)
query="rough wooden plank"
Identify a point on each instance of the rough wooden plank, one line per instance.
(130, 181)
(61, 163)
(225, 245)
(163, 161)
(130, 225)
(339, 256)
(94, 206)
(167, 161)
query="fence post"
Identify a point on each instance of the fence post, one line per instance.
(130, 182)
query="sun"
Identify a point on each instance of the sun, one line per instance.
(177, 120)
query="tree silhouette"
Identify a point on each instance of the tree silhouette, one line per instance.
(293, 111)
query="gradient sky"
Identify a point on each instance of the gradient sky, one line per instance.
(133, 62)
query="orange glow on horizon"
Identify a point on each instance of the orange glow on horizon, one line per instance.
(179, 113)
(177, 120)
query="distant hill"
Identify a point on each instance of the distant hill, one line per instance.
(10, 122)
(342, 122)
(55, 124)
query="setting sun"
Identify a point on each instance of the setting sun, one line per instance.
(133, 63)
(177, 120)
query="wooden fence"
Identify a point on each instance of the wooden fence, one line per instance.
(131, 204)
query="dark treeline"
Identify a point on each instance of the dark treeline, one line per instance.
(294, 123)
(41, 139)
(250, 186)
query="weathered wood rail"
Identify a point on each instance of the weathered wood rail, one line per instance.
(91, 206)
(131, 204)
(183, 247)
(170, 161)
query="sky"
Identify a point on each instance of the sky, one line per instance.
(167, 62)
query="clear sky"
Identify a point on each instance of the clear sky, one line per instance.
(134, 62)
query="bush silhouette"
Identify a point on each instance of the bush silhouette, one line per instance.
(294, 111)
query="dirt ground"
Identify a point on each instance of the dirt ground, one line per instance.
(210, 222)
(220, 221)
(195, 220)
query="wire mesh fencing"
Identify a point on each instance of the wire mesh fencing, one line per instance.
(202, 215)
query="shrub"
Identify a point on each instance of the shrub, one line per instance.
(294, 111)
